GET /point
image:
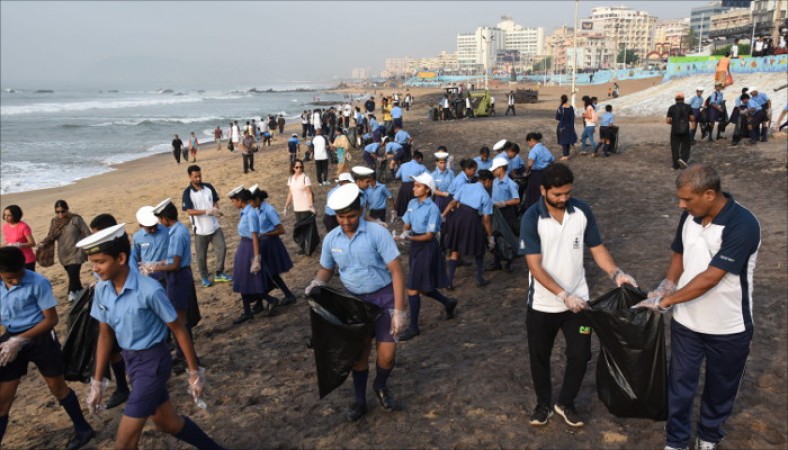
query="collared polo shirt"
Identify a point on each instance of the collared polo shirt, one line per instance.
(410, 169)
(179, 245)
(504, 189)
(729, 242)
(423, 217)
(376, 196)
(138, 315)
(561, 246)
(363, 259)
(22, 306)
(204, 199)
(475, 196)
(268, 218)
(608, 118)
(150, 247)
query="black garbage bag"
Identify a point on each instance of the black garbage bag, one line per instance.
(305, 234)
(506, 242)
(631, 373)
(193, 316)
(340, 325)
(79, 349)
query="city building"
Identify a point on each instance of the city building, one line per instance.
(769, 17)
(629, 28)
(670, 36)
(359, 73)
(506, 46)
(732, 24)
(700, 17)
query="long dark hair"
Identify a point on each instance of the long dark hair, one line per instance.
(564, 99)
(292, 165)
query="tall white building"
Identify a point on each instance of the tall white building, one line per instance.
(628, 28)
(481, 48)
(528, 41)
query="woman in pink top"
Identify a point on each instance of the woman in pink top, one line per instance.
(299, 193)
(17, 234)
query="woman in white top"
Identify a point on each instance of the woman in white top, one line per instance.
(590, 118)
(299, 193)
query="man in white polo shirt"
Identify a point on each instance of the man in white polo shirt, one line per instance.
(709, 280)
(200, 202)
(552, 235)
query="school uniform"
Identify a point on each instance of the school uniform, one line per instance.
(180, 282)
(464, 232)
(150, 248)
(395, 149)
(273, 253)
(504, 190)
(370, 153)
(405, 195)
(427, 269)
(458, 182)
(542, 158)
(245, 282)
(443, 181)
(481, 164)
(376, 200)
(329, 216)
(515, 166)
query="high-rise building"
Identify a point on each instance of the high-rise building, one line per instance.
(505, 46)
(700, 17)
(629, 28)
(670, 36)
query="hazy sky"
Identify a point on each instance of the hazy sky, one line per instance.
(199, 42)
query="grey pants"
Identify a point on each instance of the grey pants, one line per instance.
(201, 248)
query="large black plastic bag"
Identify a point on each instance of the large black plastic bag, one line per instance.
(631, 373)
(79, 349)
(506, 242)
(340, 325)
(305, 234)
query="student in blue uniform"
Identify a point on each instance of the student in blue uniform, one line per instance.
(275, 258)
(377, 195)
(329, 217)
(247, 278)
(505, 197)
(134, 310)
(427, 271)
(370, 155)
(177, 266)
(470, 222)
(395, 153)
(516, 165)
(539, 157)
(483, 161)
(696, 103)
(443, 177)
(606, 130)
(405, 173)
(466, 176)
(149, 244)
(368, 262)
(28, 314)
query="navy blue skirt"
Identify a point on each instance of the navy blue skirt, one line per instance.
(274, 255)
(180, 288)
(464, 232)
(427, 268)
(442, 202)
(330, 222)
(532, 192)
(404, 197)
(244, 282)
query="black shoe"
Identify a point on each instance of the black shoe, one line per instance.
(287, 301)
(482, 283)
(178, 366)
(80, 438)
(257, 308)
(118, 398)
(451, 308)
(270, 306)
(492, 268)
(356, 412)
(300, 251)
(570, 415)
(450, 287)
(385, 399)
(408, 335)
(541, 415)
(242, 318)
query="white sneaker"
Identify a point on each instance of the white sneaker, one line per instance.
(668, 447)
(700, 444)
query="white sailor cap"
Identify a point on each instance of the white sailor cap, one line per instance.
(254, 188)
(343, 197)
(385, 138)
(162, 204)
(500, 145)
(441, 155)
(699, 88)
(753, 89)
(103, 239)
(362, 171)
(498, 162)
(145, 216)
(237, 190)
(295, 135)
(427, 180)
(345, 176)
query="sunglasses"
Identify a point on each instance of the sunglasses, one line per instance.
(61, 211)
(298, 167)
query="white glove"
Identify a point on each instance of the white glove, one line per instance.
(255, 264)
(211, 212)
(96, 394)
(147, 268)
(312, 285)
(404, 236)
(573, 302)
(666, 287)
(393, 215)
(619, 277)
(490, 242)
(197, 385)
(10, 348)
(380, 222)
(400, 321)
(652, 303)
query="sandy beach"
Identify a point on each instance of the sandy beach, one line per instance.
(464, 383)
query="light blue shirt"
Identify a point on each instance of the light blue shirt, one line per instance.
(362, 260)
(147, 247)
(396, 112)
(22, 306)
(372, 148)
(761, 99)
(443, 179)
(423, 217)
(475, 196)
(608, 118)
(753, 105)
(696, 102)
(458, 182)
(515, 165)
(401, 137)
(138, 315)
(249, 222)
(483, 165)
(541, 157)
(180, 244)
(409, 169)
(328, 211)
(268, 218)
(716, 98)
(393, 147)
(377, 196)
(373, 123)
(504, 189)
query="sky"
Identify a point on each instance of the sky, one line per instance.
(242, 42)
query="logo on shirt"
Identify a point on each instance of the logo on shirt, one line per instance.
(336, 250)
(576, 243)
(584, 330)
(522, 244)
(727, 258)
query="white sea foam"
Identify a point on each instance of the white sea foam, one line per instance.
(152, 120)
(17, 176)
(92, 104)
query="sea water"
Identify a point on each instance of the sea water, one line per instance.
(53, 139)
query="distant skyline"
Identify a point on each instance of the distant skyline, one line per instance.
(247, 43)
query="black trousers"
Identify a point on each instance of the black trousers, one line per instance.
(321, 166)
(176, 152)
(542, 329)
(74, 283)
(510, 108)
(680, 148)
(248, 162)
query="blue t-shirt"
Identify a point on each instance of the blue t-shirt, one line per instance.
(147, 247)
(248, 223)
(138, 315)
(268, 218)
(409, 169)
(22, 306)
(516, 165)
(179, 244)
(363, 259)
(504, 189)
(761, 99)
(376, 196)
(475, 196)
(541, 156)
(423, 217)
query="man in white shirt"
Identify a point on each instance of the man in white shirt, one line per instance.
(317, 123)
(200, 201)
(320, 149)
(735, 49)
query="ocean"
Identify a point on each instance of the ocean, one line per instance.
(53, 138)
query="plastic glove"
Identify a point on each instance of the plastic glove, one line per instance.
(404, 236)
(147, 268)
(312, 285)
(284, 212)
(666, 287)
(96, 394)
(490, 242)
(619, 277)
(500, 204)
(10, 348)
(256, 266)
(653, 304)
(400, 321)
(393, 214)
(197, 386)
(573, 302)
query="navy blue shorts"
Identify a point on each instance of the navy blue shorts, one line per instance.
(383, 297)
(148, 372)
(43, 350)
